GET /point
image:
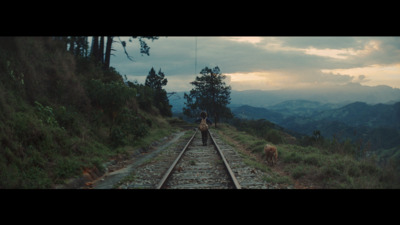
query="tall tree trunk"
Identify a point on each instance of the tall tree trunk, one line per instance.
(101, 50)
(95, 47)
(108, 51)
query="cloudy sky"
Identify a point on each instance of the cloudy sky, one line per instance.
(267, 63)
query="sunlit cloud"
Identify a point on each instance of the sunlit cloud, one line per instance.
(252, 40)
(266, 80)
(332, 53)
(372, 75)
(344, 53)
(252, 80)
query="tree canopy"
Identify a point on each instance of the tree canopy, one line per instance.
(101, 48)
(210, 94)
(156, 82)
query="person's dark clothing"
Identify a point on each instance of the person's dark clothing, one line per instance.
(204, 134)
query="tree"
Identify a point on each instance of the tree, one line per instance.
(144, 48)
(77, 45)
(95, 47)
(210, 94)
(98, 53)
(156, 82)
(108, 51)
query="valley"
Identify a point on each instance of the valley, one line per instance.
(363, 120)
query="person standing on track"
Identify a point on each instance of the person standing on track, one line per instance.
(203, 127)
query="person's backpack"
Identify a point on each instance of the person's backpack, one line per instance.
(203, 125)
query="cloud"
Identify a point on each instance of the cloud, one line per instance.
(276, 62)
(372, 75)
(324, 42)
(360, 79)
(286, 79)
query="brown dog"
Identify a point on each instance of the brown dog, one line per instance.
(271, 153)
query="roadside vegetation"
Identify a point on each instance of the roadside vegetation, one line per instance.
(334, 165)
(62, 112)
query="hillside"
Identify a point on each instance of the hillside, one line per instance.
(341, 94)
(333, 166)
(362, 114)
(377, 124)
(62, 114)
(249, 112)
(302, 107)
(305, 102)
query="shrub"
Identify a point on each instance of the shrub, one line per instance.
(35, 177)
(328, 171)
(368, 168)
(117, 136)
(128, 127)
(293, 157)
(109, 97)
(258, 146)
(66, 167)
(298, 172)
(312, 160)
(46, 114)
(354, 170)
(274, 136)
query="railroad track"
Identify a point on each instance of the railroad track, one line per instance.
(199, 167)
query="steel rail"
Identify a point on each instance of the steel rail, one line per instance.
(171, 168)
(231, 174)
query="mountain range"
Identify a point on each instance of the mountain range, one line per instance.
(350, 111)
(340, 94)
(378, 124)
(331, 97)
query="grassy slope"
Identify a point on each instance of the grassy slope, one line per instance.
(49, 130)
(310, 167)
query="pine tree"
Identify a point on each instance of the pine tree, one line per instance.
(156, 82)
(210, 94)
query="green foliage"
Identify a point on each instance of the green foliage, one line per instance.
(15, 76)
(112, 99)
(377, 124)
(61, 113)
(109, 97)
(323, 166)
(46, 114)
(210, 94)
(66, 168)
(159, 95)
(156, 81)
(145, 97)
(128, 128)
(261, 128)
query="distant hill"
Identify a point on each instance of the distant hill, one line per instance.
(305, 101)
(340, 94)
(379, 124)
(302, 107)
(250, 112)
(348, 111)
(362, 114)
